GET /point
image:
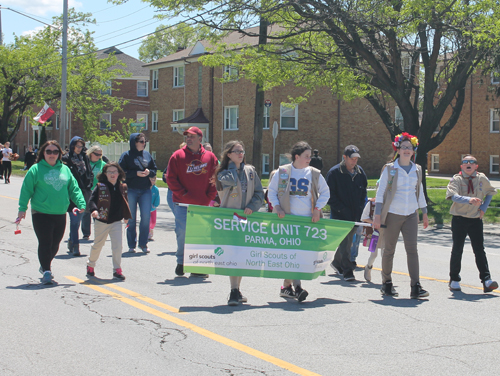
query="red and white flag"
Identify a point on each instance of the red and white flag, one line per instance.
(45, 113)
(239, 218)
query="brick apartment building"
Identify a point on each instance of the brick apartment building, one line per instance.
(186, 93)
(134, 88)
(477, 131)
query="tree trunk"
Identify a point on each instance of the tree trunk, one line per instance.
(422, 161)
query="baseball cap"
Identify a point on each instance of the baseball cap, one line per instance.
(352, 151)
(193, 130)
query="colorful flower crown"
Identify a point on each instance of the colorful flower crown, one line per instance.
(405, 137)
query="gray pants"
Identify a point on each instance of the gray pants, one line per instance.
(408, 226)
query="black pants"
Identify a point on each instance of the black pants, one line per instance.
(7, 169)
(461, 227)
(49, 229)
(342, 257)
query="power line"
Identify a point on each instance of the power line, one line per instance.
(125, 28)
(116, 19)
(25, 15)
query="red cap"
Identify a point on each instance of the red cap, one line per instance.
(193, 130)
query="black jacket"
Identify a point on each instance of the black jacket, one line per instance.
(347, 193)
(132, 161)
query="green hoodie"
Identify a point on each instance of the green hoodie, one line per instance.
(96, 169)
(50, 188)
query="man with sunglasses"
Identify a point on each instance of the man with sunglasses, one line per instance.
(471, 193)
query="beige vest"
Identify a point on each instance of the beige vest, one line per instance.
(230, 197)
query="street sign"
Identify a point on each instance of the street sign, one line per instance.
(275, 129)
(267, 103)
(138, 125)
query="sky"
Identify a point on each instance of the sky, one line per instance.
(116, 24)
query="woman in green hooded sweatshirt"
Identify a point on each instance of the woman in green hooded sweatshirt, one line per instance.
(49, 185)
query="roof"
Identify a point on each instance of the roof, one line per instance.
(132, 65)
(197, 117)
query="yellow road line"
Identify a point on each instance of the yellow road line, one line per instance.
(206, 333)
(11, 198)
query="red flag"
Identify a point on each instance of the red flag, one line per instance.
(45, 113)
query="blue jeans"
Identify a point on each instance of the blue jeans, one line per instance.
(180, 213)
(74, 225)
(143, 198)
(86, 223)
(355, 243)
(170, 200)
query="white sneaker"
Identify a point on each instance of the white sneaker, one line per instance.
(455, 286)
(368, 273)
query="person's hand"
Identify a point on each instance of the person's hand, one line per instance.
(94, 214)
(316, 216)
(280, 212)
(142, 174)
(481, 214)
(426, 220)
(475, 201)
(376, 222)
(146, 171)
(20, 216)
(247, 211)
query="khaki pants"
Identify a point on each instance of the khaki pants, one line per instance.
(408, 226)
(101, 232)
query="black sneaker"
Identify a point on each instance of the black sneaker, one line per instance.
(234, 297)
(118, 274)
(199, 275)
(300, 293)
(337, 269)
(76, 251)
(241, 298)
(388, 289)
(86, 237)
(418, 292)
(287, 292)
(349, 276)
(489, 285)
(179, 270)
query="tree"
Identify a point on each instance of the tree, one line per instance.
(30, 74)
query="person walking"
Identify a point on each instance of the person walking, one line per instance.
(238, 187)
(108, 205)
(50, 186)
(139, 167)
(398, 198)
(316, 160)
(298, 189)
(471, 193)
(190, 177)
(347, 182)
(6, 162)
(29, 158)
(79, 164)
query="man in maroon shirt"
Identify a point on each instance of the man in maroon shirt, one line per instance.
(190, 178)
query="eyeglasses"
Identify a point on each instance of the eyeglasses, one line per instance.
(469, 161)
(97, 155)
(141, 142)
(52, 151)
(406, 148)
(111, 172)
(78, 146)
(238, 152)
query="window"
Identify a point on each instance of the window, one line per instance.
(107, 91)
(58, 120)
(155, 80)
(178, 76)
(154, 121)
(406, 66)
(25, 123)
(494, 164)
(153, 155)
(284, 159)
(176, 116)
(495, 77)
(142, 88)
(265, 164)
(231, 73)
(105, 122)
(289, 117)
(266, 117)
(435, 162)
(231, 118)
(142, 118)
(398, 119)
(494, 121)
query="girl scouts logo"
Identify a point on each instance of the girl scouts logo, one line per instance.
(196, 167)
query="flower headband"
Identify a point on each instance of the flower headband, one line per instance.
(405, 137)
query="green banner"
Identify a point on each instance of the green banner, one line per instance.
(227, 242)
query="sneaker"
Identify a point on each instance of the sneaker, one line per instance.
(179, 269)
(454, 286)
(70, 246)
(118, 274)
(41, 272)
(86, 237)
(241, 298)
(47, 277)
(349, 277)
(337, 269)
(90, 271)
(489, 285)
(418, 292)
(287, 292)
(76, 251)
(199, 275)
(233, 298)
(300, 293)
(388, 289)
(144, 249)
(150, 236)
(368, 273)
(131, 250)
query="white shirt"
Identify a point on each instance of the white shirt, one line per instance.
(300, 191)
(405, 198)
(5, 153)
(366, 211)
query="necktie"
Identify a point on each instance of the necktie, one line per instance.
(470, 187)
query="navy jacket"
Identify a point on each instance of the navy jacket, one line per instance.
(132, 161)
(347, 193)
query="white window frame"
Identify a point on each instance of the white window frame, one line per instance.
(406, 66)
(231, 124)
(231, 73)
(138, 118)
(154, 80)
(287, 110)
(266, 117)
(179, 76)
(495, 77)
(434, 161)
(153, 155)
(176, 117)
(142, 82)
(58, 120)
(398, 118)
(493, 164)
(265, 164)
(108, 90)
(154, 121)
(108, 115)
(494, 120)
(25, 123)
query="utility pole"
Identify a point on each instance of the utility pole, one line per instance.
(64, 76)
(1, 39)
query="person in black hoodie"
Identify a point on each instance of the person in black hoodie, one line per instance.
(79, 164)
(139, 166)
(29, 158)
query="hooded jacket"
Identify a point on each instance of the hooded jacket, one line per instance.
(134, 160)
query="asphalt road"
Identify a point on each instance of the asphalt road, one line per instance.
(157, 324)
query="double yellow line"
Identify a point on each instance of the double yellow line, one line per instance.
(206, 333)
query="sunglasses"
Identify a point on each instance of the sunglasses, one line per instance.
(97, 155)
(469, 161)
(78, 146)
(141, 142)
(51, 152)
(238, 152)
